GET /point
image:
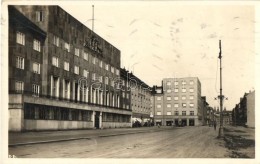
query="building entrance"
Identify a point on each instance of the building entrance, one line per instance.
(184, 122)
(191, 122)
(97, 120)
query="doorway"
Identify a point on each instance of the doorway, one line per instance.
(191, 122)
(97, 120)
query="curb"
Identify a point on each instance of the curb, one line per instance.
(80, 138)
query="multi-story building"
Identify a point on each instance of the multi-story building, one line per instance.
(244, 112)
(65, 74)
(139, 94)
(178, 102)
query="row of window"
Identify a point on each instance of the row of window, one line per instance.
(20, 39)
(85, 56)
(191, 82)
(176, 113)
(182, 90)
(19, 88)
(36, 67)
(176, 105)
(43, 112)
(55, 62)
(191, 97)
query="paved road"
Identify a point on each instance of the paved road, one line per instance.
(187, 142)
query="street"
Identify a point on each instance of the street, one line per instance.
(187, 142)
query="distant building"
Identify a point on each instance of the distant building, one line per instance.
(62, 75)
(244, 112)
(178, 102)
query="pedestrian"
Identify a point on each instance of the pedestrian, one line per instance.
(215, 125)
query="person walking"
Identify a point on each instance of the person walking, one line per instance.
(215, 125)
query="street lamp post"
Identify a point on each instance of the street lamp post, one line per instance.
(221, 131)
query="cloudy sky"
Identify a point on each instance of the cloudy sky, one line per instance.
(167, 39)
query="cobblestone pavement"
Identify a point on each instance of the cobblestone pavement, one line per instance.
(184, 142)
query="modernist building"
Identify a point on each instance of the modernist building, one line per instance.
(178, 102)
(244, 112)
(62, 75)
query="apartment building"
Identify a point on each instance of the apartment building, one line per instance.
(178, 102)
(75, 73)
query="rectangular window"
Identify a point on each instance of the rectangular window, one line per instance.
(191, 82)
(183, 97)
(19, 86)
(184, 105)
(176, 82)
(76, 51)
(117, 72)
(85, 73)
(56, 41)
(107, 67)
(36, 68)
(19, 62)
(76, 69)
(106, 80)
(93, 60)
(176, 98)
(101, 79)
(93, 76)
(176, 90)
(192, 113)
(168, 83)
(169, 91)
(37, 45)
(176, 105)
(66, 66)
(169, 105)
(191, 105)
(184, 113)
(159, 98)
(112, 69)
(36, 90)
(100, 64)
(20, 38)
(191, 90)
(159, 106)
(85, 55)
(176, 113)
(159, 113)
(183, 82)
(67, 47)
(183, 89)
(39, 16)
(123, 94)
(55, 61)
(191, 97)
(169, 98)
(169, 113)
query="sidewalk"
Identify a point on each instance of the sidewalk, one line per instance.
(26, 138)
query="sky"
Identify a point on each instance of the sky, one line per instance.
(166, 39)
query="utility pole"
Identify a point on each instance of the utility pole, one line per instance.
(221, 131)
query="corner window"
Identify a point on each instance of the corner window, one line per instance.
(19, 62)
(20, 38)
(19, 86)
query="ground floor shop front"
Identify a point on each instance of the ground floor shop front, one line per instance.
(27, 113)
(177, 121)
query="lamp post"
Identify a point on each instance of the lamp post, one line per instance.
(221, 97)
